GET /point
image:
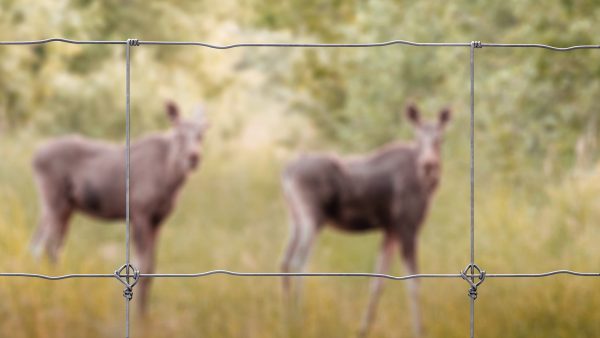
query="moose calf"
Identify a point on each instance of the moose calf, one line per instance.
(388, 190)
(74, 173)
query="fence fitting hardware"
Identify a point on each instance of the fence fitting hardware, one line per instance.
(476, 44)
(473, 279)
(133, 42)
(123, 274)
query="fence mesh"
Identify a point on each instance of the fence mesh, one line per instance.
(472, 273)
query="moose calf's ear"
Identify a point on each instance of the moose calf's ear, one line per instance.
(172, 111)
(445, 115)
(413, 114)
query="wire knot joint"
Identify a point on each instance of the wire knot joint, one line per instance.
(476, 44)
(133, 42)
(125, 276)
(474, 276)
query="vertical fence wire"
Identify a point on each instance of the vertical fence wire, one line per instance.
(127, 182)
(472, 179)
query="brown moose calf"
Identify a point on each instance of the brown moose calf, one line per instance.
(74, 173)
(388, 190)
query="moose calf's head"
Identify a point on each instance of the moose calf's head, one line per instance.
(428, 137)
(188, 135)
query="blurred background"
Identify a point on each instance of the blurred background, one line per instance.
(537, 170)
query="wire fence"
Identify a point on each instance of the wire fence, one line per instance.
(129, 276)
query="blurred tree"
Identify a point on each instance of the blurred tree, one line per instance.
(532, 105)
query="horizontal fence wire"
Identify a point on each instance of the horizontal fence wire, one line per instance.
(537, 45)
(301, 274)
(302, 45)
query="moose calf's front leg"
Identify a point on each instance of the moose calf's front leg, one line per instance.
(409, 256)
(145, 244)
(383, 263)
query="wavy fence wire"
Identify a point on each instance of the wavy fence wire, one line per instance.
(129, 276)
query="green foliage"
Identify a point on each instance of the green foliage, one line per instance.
(59, 88)
(532, 106)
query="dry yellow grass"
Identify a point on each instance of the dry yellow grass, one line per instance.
(231, 216)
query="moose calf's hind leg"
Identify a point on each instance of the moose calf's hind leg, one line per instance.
(50, 233)
(306, 221)
(306, 236)
(287, 257)
(55, 213)
(38, 241)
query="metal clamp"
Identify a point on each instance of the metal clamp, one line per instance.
(124, 278)
(471, 279)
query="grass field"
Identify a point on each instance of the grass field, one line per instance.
(231, 216)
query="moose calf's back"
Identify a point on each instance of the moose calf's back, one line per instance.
(91, 173)
(361, 192)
